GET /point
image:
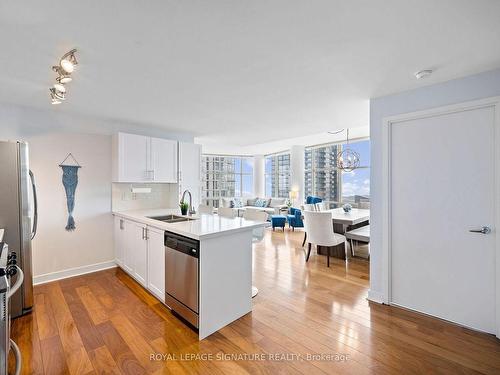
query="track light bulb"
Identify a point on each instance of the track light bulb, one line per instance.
(68, 61)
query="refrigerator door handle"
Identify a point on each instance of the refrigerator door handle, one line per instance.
(35, 205)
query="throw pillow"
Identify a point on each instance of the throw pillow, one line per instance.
(238, 203)
(260, 202)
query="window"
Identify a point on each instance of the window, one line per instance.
(356, 184)
(226, 176)
(277, 175)
(324, 180)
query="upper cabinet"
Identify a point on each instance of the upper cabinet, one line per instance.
(164, 160)
(137, 158)
(190, 170)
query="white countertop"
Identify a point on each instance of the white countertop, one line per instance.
(204, 226)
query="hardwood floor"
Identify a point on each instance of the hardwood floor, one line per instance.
(105, 323)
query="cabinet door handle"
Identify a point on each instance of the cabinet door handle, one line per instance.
(121, 224)
(142, 232)
(146, 234)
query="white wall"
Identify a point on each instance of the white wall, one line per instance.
(459, 90)
(51, 136)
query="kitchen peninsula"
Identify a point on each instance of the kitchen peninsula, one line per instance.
(211, 269)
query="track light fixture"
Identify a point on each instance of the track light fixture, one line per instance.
(68, 61)
(57, 96)
(63, 76)
(59, 87)
(64, 69)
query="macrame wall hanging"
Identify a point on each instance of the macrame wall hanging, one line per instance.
(70, 180)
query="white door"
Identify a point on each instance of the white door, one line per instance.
(140, 254)
(156, 262)
(164, 160)
(128, 246)
(119, 234)
(133, 158)
(190, 170)
(442, 186)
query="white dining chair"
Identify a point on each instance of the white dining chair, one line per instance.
(257, 233)
(204, 209)
(361, 234)
(321, 206)
(307, 207)
(319, 229)
(226, 212)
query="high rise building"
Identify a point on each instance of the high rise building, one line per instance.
(218, 179)
(321, 175)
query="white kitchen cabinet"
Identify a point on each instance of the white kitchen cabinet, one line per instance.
(119, 236)
(137, 158)
(156, 262)
(164, 160)
(131, 158)
(128, 240)
(190, 170)
(140, 254)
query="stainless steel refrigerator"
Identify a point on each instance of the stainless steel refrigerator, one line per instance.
(18, 216)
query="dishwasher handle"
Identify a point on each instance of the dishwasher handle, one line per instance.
(182, 244)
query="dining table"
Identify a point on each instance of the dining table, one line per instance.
(342, 221)
(348, 219)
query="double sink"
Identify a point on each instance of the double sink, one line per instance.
(171, 218)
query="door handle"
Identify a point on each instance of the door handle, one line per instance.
(35, 205)
(483, 230)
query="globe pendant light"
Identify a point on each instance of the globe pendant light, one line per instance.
(347, 159)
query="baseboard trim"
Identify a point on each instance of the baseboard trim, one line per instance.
(71, 272)
(375, 296)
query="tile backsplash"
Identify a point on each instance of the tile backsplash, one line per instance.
(161, 196)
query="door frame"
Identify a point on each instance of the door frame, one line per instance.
(387, 124)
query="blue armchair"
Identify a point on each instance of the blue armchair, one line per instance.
(313, 200)
(295, 218)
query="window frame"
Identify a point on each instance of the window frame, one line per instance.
(222, 176)
(340, 145)
(278, 175)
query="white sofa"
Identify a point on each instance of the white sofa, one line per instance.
(274, 206)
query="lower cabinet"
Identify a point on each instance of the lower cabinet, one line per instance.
(119, 235)
(140, 254)
(140, 251)
(128, 246)
(156, 262)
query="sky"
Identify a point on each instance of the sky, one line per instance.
(357, 182)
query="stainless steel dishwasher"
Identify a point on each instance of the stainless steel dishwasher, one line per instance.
(182, 275)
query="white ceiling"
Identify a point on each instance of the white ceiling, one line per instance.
(240, 72)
